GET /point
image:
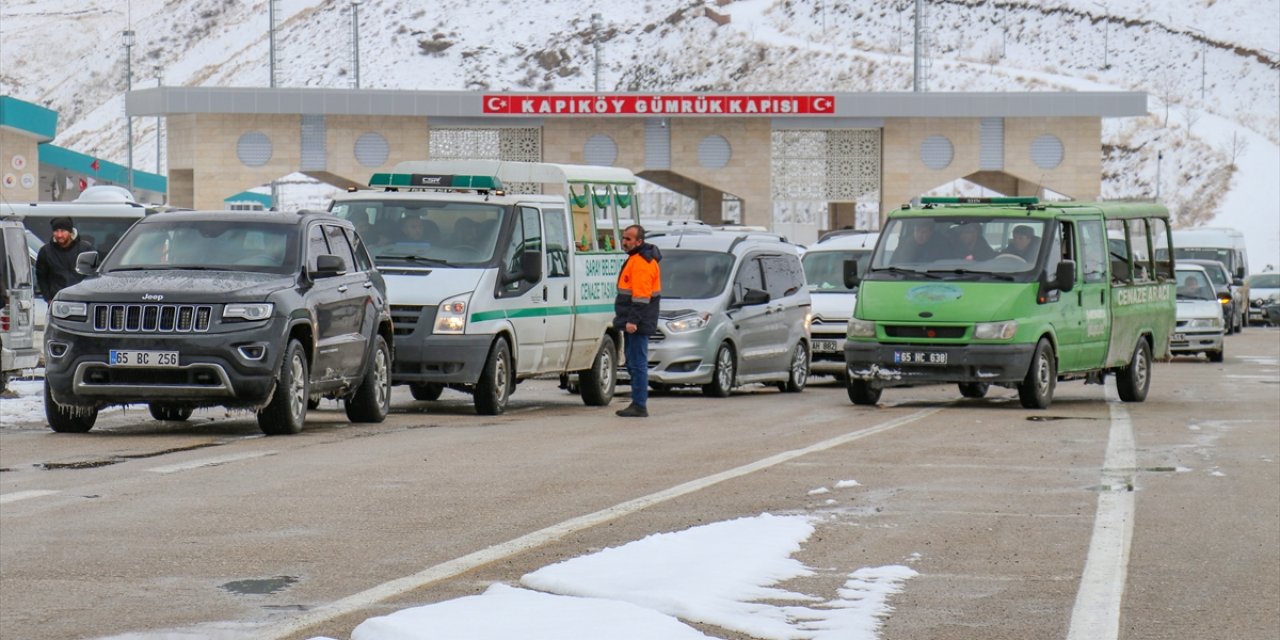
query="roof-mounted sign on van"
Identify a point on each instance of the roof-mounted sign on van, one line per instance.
(435, 181)
(983, 200)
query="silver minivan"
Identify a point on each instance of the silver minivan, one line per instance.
(18, 347)
(734, 311)
(833, 301)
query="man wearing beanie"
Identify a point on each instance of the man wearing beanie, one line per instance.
(56, 262)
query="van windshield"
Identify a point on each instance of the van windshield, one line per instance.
(824, 270)
(694, 274)
(950, 246)
(1205, 253)
(442, 233)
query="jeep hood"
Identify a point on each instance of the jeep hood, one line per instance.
(944, 301)
(178, 286)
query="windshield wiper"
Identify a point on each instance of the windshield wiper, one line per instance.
(999, 276)
(901, 271)
(411, 258)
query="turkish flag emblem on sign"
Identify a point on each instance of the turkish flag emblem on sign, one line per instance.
(83, 184)
(94, 165)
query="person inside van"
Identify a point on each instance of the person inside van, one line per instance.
(1023, 243)
(56, 262)
(921, 244)
(418, 230)
(970, 245)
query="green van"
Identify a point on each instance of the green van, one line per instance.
(1012, 292)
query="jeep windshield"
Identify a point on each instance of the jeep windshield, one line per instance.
(206, 245)
(951, 247)
(429, 232)
(694, 274)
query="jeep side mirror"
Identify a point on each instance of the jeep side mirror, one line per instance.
(87, 263)
(327, 266)
(851, 278)
(1065, 277)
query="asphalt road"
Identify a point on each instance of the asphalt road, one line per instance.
(1092, 520)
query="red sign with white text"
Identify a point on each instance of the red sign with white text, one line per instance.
(660, 105)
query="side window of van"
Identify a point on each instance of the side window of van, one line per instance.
(557, 243)
(783, 276)
(1093, 250)
(749, 277)
(526, 235)
(1140, 248)
(1160, 240)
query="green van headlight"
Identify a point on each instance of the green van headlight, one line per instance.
(995, 330)
(861, 328)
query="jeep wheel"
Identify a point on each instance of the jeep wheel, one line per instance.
(66, 419)
(494, 386)
(169, 412)
(287, 410)
(1036, 389)
(426, 391)
(798, 373)
(724, 375)
(372, 400)
(974, 389)
(1133, 381)
(597, 383)
(862, 392)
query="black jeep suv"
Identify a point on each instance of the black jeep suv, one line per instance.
(256, 310)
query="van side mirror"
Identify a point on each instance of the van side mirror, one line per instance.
(851, 277)
(1065, 277)
(327, 266)
(753, 297)
(87, 263)
(530, 269)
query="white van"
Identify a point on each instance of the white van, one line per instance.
(488, 288)
(833, 301)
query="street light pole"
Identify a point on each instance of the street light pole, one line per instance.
(159, 146)
(597, 23)
(355, 39)
(1106, 32)
(128, 87)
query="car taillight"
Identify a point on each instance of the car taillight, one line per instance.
(4, 322)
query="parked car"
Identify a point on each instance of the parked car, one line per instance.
(18, 349)
(1264, 289)
(1199, 326)
(1230, 291)
(833, 301)
(735, 310)
(255, 310)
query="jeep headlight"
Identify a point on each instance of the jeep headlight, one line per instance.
(69, 310)
(451, 317)
(995, 330)
(861, 328)
(691, 322)
(247, 311)
(1205, 323)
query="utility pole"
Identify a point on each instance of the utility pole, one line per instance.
(915, 65)
(271, 38)
(128, 87)
(597, 23)
(159, 145)
(355, 39)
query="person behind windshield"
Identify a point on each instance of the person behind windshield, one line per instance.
(970, 245)
(1191, 289)
(414, 229)
(922, 245)
(1023, 243)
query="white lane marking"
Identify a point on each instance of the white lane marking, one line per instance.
(1096, 615)
(23, 495)
(210, 462)
(458, 566)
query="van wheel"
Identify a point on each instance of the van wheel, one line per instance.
(287, 410)
(1133, 381)
(724, 375)
(598, 382)
(974, 389)
(1036, 390)
(798, 374)
(863, 392)
(372, 399)
(494, 386)
(1217, 356)
(426, 391)
(67, 419)
(168, 412)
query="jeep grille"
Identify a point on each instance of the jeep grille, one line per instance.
(152, 318)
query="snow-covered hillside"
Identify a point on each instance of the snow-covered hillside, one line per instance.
(1217, 155)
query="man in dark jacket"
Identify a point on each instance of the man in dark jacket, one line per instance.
(636, 313)
(56, 262)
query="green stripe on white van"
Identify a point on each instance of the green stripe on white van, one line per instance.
(536, 312)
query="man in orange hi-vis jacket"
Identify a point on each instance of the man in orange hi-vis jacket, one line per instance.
(636, 313)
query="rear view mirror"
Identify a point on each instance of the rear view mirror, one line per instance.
(1065, 277)
(327, 266)
(530, 268)
(851, 277)
(87, 263)
(753, 297)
